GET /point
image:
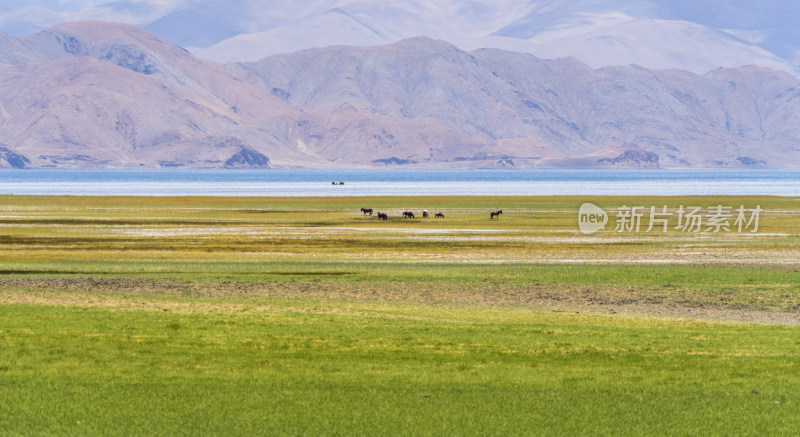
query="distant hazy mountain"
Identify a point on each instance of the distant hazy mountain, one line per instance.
(14, 51)
(697, 35)
(693, 35)
(94, 94)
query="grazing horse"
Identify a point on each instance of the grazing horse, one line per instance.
(408, 214)
(366, 211)
(424, 213)
(439, 214)
(494, 214)
(382, 216)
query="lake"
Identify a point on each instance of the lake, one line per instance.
(305, 182)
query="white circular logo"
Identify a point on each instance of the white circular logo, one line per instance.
(591, 218)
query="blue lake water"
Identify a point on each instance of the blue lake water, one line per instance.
(398, 182)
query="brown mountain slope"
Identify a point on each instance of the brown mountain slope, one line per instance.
(96, 94)
(85, 112)
(116, 96)
(554, 112)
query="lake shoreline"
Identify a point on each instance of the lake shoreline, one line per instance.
(365, 183)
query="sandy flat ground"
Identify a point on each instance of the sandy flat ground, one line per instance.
(139, 294)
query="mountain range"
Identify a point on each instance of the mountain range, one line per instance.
(693, 35)
(97, 94)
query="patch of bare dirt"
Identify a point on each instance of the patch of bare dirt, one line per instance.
(237, 296)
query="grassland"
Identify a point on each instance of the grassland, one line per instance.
(303, 316)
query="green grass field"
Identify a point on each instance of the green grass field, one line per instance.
(243, 316)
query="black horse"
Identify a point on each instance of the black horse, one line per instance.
(382, 216)
(424, 213)
(439, 214)
(408, 214)
(494, 214)
(366, 211)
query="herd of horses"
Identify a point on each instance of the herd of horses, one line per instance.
(409, 214)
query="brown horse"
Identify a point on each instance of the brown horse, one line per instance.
(494, 214)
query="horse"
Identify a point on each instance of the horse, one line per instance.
(424, 213)
(382, 216)
(408, 214)
(366, 211)
(494, 214)
(439, 214)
